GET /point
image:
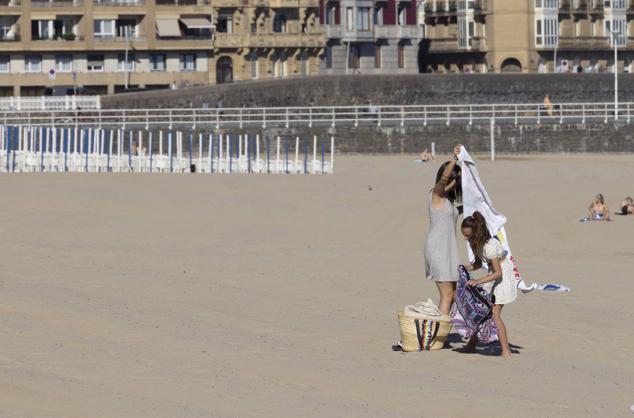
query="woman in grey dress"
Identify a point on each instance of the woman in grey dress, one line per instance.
(441, 248)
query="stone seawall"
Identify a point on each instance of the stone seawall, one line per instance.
(421, 89)
(388, 90)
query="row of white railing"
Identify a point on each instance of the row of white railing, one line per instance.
(49, 103)
(43, 149)
(329, 116)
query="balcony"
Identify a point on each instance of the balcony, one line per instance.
(480, 6)
(398, 32)
(68, 37)
(110, 3)
(579, 6)
(227, 40)
(595, 7)
(286, 40)
(443, 45)
(280, 4)
(335, 32)
(183, 2)
(478, 43)
(443, 8)
(57, 3)
(584, 43)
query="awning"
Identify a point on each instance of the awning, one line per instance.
(196, 23)
(168, 28)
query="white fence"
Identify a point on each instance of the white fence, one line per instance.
(327, 116)
(49, 103)
(42, 149)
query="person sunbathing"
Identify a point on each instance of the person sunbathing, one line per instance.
(426, 156)
(598, 210)
(627, 206)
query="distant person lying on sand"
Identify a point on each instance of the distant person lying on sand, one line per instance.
(627, 206)
(598, 210)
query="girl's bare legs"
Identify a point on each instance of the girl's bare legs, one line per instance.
(504, 340)
(446, 290)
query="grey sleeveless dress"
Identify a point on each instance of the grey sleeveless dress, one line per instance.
(441, 248)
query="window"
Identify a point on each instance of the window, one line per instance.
(363, 18)
(188, 62)
(401, 56)
(353, 57)
(122, 65)
(95, 63)
(304, 63)
(619, 26)
(377, 16)
(547, 31)
(547, 4)
(33, 64)
(104, 28)
(328, 57)
(6, 28)
(350, 19)
(157, 62)
(377, 56)
(64, 63)
(4, 64)
(126, 27)
(402, 16)
(279, 24)
(330, 16)
(225, 24)
(253, 61)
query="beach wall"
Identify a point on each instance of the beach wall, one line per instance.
(387, 90)
(420, 89)
(509, 139)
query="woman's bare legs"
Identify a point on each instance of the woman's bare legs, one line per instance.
(446, 290)
(504, 340)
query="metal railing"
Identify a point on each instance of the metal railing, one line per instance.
(12, 105)
(324, 116)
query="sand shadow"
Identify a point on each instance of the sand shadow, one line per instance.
(492, 350)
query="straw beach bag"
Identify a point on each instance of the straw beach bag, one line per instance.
(423, 327)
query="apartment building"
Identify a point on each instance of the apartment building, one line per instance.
(370, 36)
(106, 46)
(527, 35)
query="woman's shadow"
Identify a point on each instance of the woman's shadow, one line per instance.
(455, 342)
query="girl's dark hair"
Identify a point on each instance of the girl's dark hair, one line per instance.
(479, 233)
(456, 193)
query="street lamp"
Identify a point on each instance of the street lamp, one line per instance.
(615, 34)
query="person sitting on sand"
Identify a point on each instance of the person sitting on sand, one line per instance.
(598, 210)
(627, 206)
(426, 156)
(500, 280)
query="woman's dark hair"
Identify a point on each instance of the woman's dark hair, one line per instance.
(456, 193)
(479, 233)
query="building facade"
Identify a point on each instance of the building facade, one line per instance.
(106, 46)
(527, 35)
(370, 36)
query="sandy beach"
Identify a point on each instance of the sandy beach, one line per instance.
(276, 296)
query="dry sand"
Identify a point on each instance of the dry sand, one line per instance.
(276, 296)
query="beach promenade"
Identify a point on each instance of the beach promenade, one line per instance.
(276, 296)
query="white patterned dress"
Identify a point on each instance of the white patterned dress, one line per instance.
(505, 288)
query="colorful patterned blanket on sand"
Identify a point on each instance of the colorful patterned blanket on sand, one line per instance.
(471, 311)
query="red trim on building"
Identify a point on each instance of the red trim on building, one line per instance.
(389, 13)
(411, 13)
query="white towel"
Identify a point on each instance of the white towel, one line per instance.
(476, 198)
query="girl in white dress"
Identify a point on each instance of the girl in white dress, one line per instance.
(500, 280)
